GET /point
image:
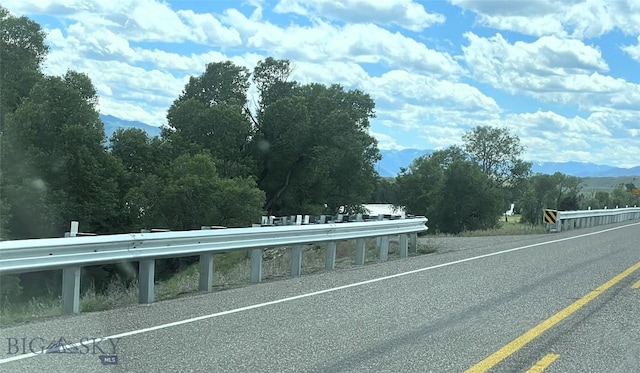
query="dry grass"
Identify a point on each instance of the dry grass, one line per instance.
(509, 228)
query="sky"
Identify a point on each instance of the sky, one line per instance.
(562, 75)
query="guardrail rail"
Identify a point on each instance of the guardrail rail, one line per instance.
(78, 250)
(588, 218)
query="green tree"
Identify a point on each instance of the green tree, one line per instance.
(385, 191)
(22, 50)
(134, 149)
(56, 166)
(189, 194)
(209, 116)
(567, 190)
(603, 198)
(142, 159)
(300, 133)
(469, 200)
(497, 152)
(620, 197)
(557, 191)
(419, 187)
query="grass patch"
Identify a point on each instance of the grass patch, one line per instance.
(117, 294)
(511, 227)
(34, 309)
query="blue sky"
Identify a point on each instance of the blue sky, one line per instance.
(560, 74)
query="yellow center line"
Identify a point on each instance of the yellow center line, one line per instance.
(636, 285)
(543, 363)
(513, 346)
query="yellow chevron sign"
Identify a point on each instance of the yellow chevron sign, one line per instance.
(550, 216)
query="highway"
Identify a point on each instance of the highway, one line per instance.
(565, 302)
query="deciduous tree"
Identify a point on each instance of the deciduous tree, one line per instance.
(312, 143)
(497, 152)
(210, 116)
(22, 50)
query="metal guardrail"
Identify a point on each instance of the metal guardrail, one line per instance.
(326, 219)
(589, 218)
(72, 253)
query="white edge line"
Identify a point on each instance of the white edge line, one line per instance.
(307, 295)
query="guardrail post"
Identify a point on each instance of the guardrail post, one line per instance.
(360, 251)
(146, 279)
(296, 260)
(75, 228)
(256, 265)
(71, 290)
(404, 246)
(206, 272)
(330, 260)
(384, 248)
(413, 242)
(379, 239)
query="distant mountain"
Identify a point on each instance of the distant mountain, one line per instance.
(111, 124)
(571, 168)
(633, 171)
(392, 160)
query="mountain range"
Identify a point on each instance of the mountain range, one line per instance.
(393, 160)
(111, 124)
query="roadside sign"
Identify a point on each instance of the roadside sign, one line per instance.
(550, 216)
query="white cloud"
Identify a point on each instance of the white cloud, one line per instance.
(361, 43)
(135, 20)
(575, 18)
(599, 138)
(550, 69)
(633, 50)
(399, 86)
(207, 29)
(408, 14)
(387, 142)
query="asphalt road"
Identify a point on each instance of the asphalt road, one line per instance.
(565, 300)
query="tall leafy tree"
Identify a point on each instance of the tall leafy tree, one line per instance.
(56, 166)
(469, 199)
(189, 193)
(143, 159)
(385, 191)
(451, 190)
(419, 187)
(567, 191)
(497, 152)
(301, 130)
(557, 191)
(209, 116)
(22, 50)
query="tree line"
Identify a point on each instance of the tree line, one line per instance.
(469, 187)
(219, 161)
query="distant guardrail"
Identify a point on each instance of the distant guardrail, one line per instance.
(565, 220)
(72, 253)
(326, 219)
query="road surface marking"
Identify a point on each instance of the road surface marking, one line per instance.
(513, 346)
(543, 363)
(636, 285)
(307, 295)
